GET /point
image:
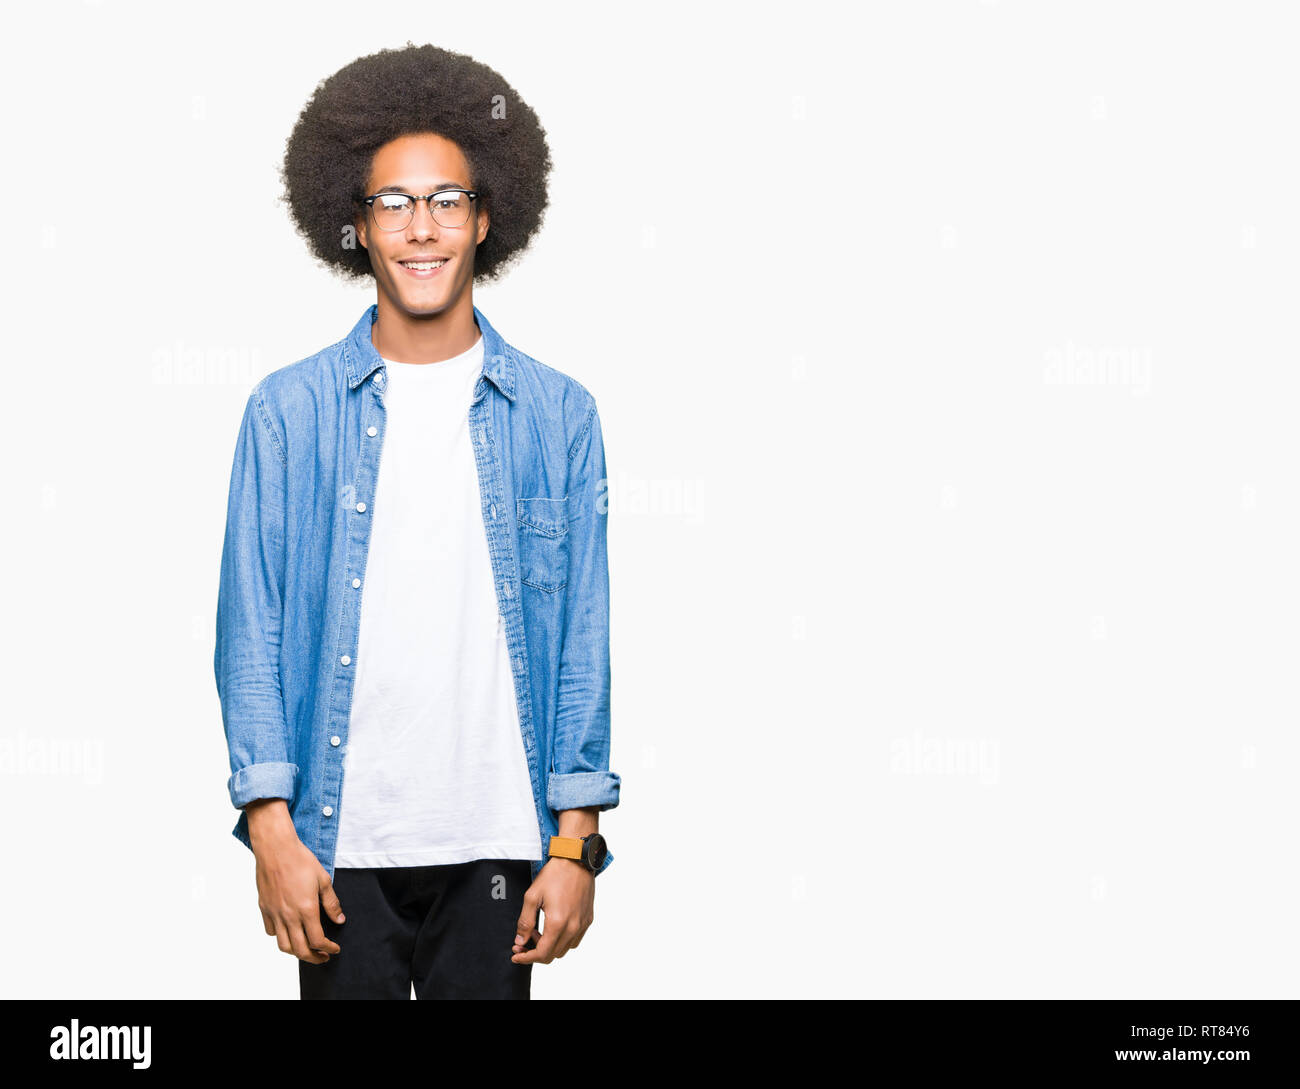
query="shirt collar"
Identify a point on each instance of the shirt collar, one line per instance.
(361, 357)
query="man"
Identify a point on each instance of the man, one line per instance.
(412, 647)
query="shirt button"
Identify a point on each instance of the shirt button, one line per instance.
(356, 583)
(372, 431)
(334, 740)
(361, 508)
(346, 660)
(328, 811)
(494, 510)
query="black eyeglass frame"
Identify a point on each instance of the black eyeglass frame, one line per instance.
(369, 202)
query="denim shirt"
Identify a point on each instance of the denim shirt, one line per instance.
(293, 569)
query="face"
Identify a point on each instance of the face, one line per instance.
(419, 164)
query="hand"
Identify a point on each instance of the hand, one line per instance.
(291, 887)
(566, 891)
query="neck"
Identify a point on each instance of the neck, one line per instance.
(403, 338)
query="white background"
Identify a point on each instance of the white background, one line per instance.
(945, 355)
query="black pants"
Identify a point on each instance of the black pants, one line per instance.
(446, 929)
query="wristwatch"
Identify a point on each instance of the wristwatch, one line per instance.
(589, 850)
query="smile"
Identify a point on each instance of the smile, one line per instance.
(423, 268)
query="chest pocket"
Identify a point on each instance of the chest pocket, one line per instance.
(543, 543)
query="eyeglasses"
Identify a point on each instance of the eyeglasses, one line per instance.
(394, 211)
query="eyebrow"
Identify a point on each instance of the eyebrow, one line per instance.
(438, 187)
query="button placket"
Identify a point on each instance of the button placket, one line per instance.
(366, 476)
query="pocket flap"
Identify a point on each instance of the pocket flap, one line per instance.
(548, 517)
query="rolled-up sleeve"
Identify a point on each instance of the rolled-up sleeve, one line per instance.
(249, 613)
(580, 775)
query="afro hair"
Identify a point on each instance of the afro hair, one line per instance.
(419, 88)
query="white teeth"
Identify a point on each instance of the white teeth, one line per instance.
(423, 266)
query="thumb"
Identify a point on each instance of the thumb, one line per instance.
(328, 899)
(526, 925)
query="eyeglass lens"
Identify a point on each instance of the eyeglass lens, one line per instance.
(393, 211)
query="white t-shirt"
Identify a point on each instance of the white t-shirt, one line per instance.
(434, 768)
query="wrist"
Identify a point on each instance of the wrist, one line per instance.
(576, 823)
(571, 863)
(269, 821)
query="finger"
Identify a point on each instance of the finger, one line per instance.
(557, 928)
(564, 940)
(303, 950)
(570, 930)
(582, 933)
(543, 954)
(282, 937)
(316, 937)
(300, 947)
(328, 898)
(268, 924)
(526, 924)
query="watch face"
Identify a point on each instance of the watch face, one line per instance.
(596, 850)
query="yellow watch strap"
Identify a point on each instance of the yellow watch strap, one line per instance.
(566, 847)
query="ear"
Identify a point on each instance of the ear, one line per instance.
(359, 225)
(483, 218)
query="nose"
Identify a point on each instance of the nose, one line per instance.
(422, 224)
